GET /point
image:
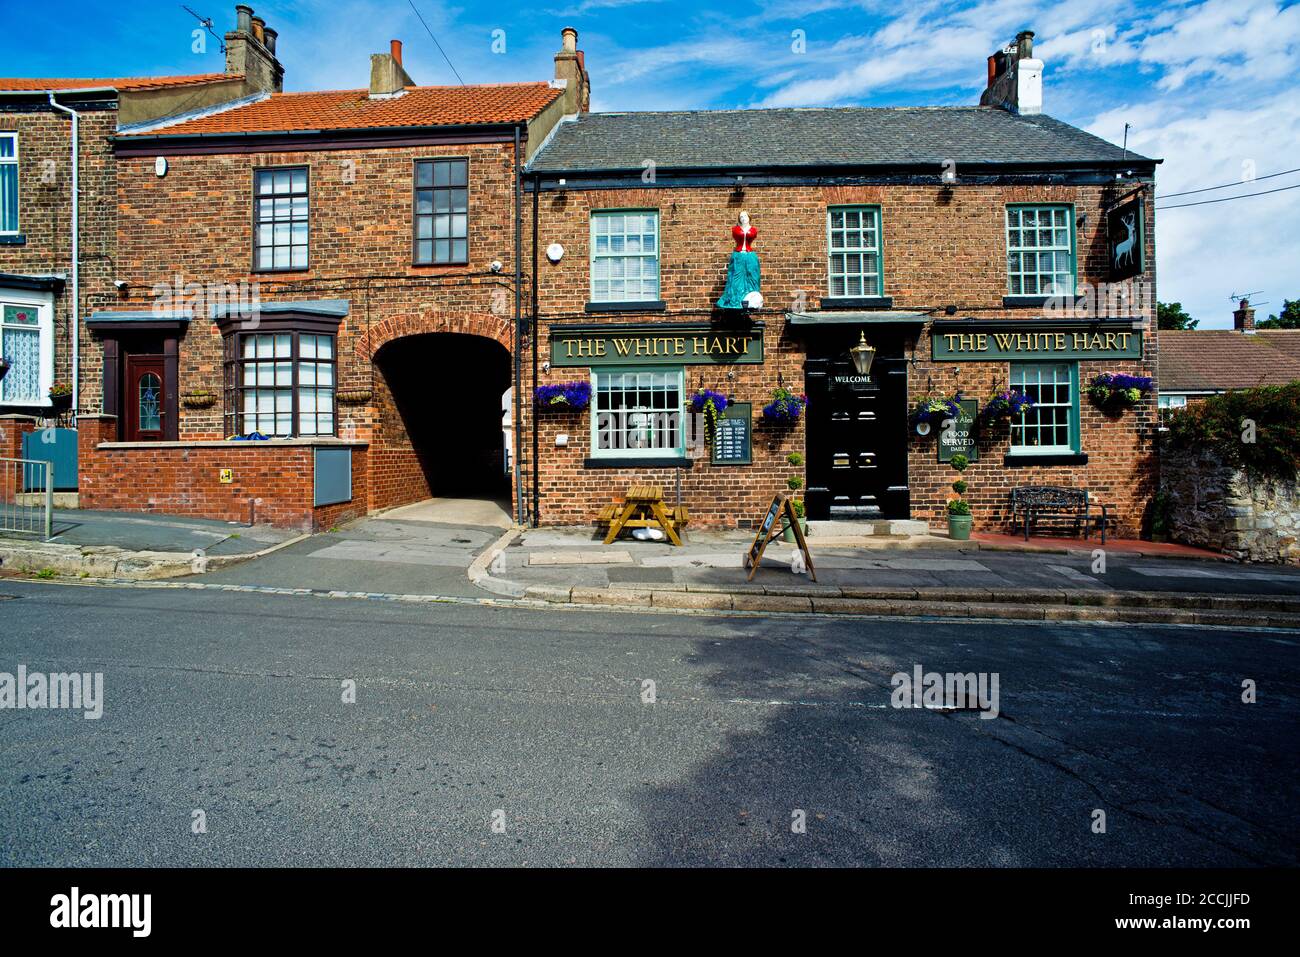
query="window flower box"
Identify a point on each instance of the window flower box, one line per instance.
(563, 397)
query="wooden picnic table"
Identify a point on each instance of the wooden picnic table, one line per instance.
(642, 507)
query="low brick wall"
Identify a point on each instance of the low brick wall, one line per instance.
(272, 482)
(1214, 505)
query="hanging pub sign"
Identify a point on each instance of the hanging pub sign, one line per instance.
(1124, 235)
(690, 343)
(733, 438)
(957, 435)
(1021, 340)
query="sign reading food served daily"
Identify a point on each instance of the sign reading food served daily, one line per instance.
(951, 345)
(667, 344)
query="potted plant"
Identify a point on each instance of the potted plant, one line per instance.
(1005, 406)
(794, 483)
(563, 397)
(1116, 391)
(785, 407)
(708, 403)
(959, 516)
(61, 396)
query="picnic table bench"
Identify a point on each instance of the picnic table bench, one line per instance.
(1032, 503)
(643, 507)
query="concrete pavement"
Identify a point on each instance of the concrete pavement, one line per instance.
(231, 704)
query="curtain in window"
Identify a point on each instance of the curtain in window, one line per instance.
(8, 197)
(22, 348)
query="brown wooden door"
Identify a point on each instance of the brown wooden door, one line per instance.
(144, 401)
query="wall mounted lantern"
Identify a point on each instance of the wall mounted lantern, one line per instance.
(862, 355)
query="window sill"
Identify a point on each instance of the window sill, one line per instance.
(648, 305)
(635, 462)
(13, 239)
(1032, 302)
(263, 272)
(1021, 459)
(859, 302)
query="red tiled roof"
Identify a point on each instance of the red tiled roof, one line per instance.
(1200, 360)
(20, 84)
(354, 109)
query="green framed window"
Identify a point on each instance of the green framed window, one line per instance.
(637, 413)
(8, 183)
(1040, 250)
(625, 255)
(1051, 424)
(853, 245)
(441, 218)
(280, 201)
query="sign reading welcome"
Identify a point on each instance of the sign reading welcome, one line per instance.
(973, 343)
(667, 344)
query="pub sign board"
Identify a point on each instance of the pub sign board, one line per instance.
(958, 435)
(673, 344)
(733, 438)
(1034, 343)
(1124, 239)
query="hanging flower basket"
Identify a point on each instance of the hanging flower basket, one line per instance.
(1005, 406)
(199, 400)
(1115, 390)
(355, 396)
(785, 407)
(61, 396)
(708, 403)
(563, 397)
(937, 408)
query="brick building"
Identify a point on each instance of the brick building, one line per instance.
(964, 245)
(328, 279)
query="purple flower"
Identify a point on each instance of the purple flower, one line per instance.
(564, 396)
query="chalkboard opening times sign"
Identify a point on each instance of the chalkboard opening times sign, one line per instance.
(733, 438)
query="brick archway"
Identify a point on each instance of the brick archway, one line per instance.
(496, 328)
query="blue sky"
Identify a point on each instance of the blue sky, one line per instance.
(1208, 85)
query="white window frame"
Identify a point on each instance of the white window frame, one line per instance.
(678, 376)
(1071, 405)
(598, 215)
(1166, 401)
(1068, 249)
(878, 277)
(43, 302)
(13, 161)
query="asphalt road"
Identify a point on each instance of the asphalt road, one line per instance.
(231, 704)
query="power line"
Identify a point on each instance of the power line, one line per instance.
(1228, 199)
(1207, 189)
(436, 43)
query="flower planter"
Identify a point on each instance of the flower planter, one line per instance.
(61, 403)
(959, 527)
(562, 397)
(787, 530)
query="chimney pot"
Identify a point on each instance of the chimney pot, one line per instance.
(395, 46)
(570, 44)
(1243, 320)
(259, 25)
(268, 37)
(243, 18)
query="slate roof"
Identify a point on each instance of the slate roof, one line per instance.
(419, 106)
(856, 136)
(1201, 360)
(20, 84)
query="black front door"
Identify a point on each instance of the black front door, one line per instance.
(857, 432)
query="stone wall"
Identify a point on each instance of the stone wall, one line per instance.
(1214, 505)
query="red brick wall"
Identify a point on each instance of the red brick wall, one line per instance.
(272, 483)
(940, 248)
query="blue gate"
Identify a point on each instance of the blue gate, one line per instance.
(59, 448)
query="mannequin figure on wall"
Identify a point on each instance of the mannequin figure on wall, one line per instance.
(743, 277)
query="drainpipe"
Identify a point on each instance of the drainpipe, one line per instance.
(535, 326)
(76, 258)
(519, 313)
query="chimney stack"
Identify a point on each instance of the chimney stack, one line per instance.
(1243, 320)
(250, 52)
(571, 73)
(387, 76)
(1015, 78)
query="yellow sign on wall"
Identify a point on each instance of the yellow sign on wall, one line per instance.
(227, 476)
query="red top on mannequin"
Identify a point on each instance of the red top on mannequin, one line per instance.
(744, 240)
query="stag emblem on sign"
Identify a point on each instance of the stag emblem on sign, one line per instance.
(1124, 248)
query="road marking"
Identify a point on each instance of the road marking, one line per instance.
(1219, 571)
(1075, 575)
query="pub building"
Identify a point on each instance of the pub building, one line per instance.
(866, 259)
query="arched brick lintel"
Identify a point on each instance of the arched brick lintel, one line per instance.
(497, 328)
